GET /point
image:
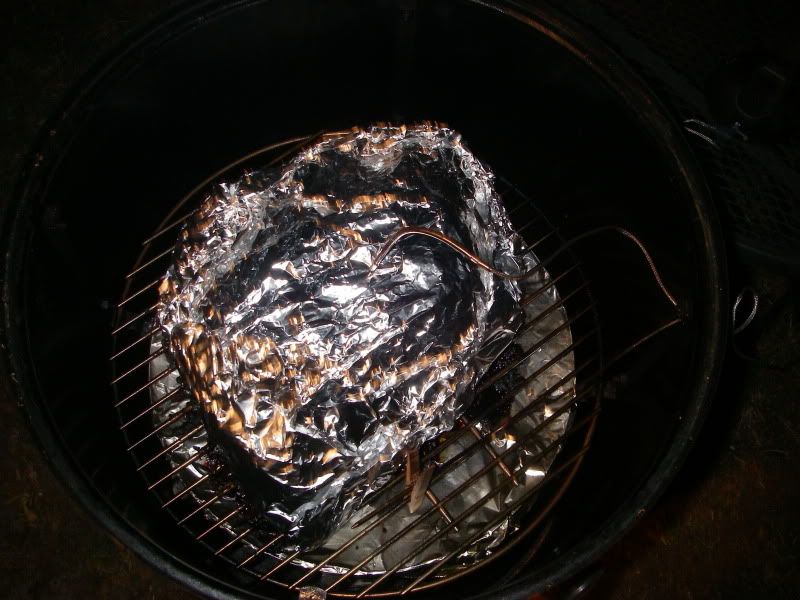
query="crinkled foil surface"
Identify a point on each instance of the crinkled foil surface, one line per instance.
(314, 370)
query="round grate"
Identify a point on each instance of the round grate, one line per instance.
(157, 419)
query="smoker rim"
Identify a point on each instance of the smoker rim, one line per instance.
(54, 139)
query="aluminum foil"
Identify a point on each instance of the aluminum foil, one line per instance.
(319, 370)
(313, 362)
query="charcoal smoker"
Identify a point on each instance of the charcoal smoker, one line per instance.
(584, 154)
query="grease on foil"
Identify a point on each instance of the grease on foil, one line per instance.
(313, 372)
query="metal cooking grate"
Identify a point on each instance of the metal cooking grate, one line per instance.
(230, 535)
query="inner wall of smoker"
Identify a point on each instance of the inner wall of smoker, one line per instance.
(199, 98)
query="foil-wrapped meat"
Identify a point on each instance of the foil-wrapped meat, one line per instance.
(314, 364)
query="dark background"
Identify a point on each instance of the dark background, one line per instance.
(729, 526)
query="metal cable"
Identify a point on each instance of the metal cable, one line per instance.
(408, 231)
